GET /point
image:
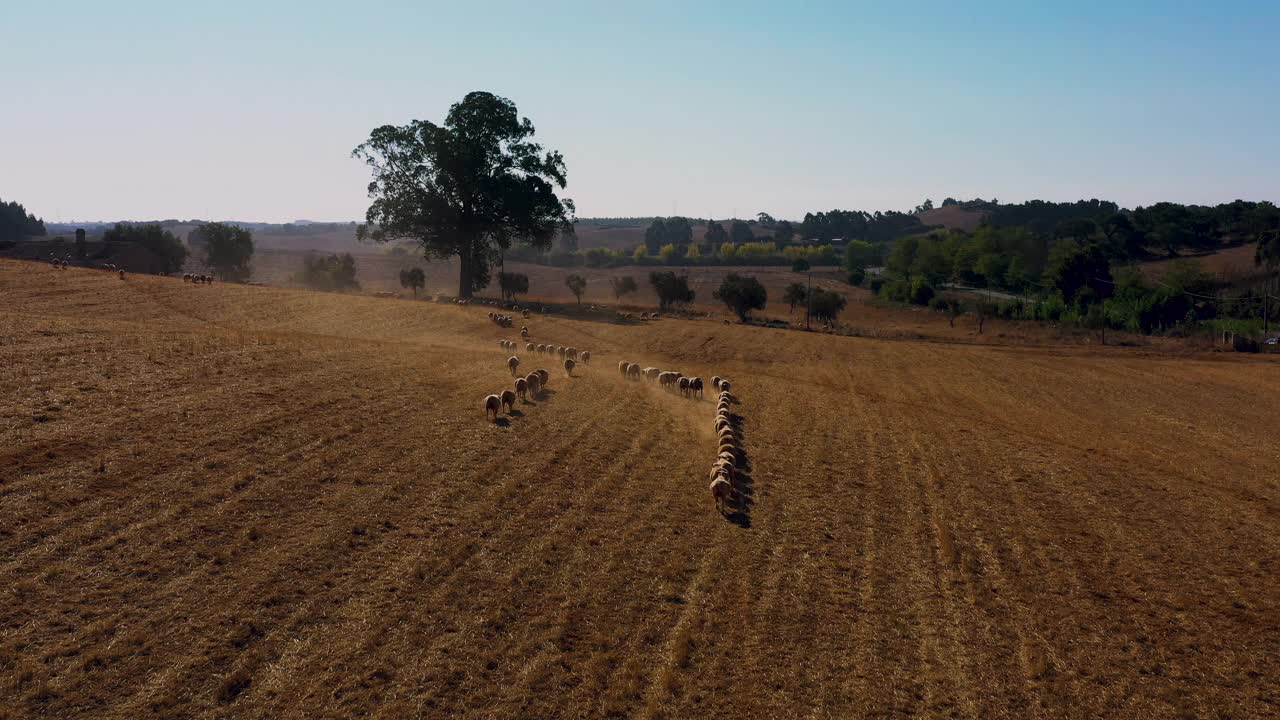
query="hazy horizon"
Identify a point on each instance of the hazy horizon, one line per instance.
(143, 110)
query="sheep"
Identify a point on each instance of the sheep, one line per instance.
(560, 351)
(633, 372)
(524, 313)
(571, 353)
(543, 375)
(721, 493)
(534, 382)
(542, 348)
(524, 332)
(513, 362)
(721, 423)
(682, 384)
(726, 447)
(522, 389)
(502, 344)
(492, 404)
(509, 400)
(586, 357)
(652, 373)
(623, 366)
(528, 347)
(121, 274)
(724, 385)
(715, 381)
(568, 366)
(695, 387)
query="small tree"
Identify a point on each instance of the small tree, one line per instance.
(577, 285)
(329, 272)
(622, 286)
(414, 279)
(228, 249)
(955, 309)
(642, 252)
(671, 289)
(715, 233)
(666, 253)
(825, 305)
(740, 232)
(694, 253)
(741, 294)
(81, 252)
(857, 276)
(982, 309)
(795, 294)
(800, 265)
(512, 284)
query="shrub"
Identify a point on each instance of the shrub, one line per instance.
(671, 289)
(741, 294)
(329, 272)
(857, 276)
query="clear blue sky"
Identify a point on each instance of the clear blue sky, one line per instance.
(250, 110)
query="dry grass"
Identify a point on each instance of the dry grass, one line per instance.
(255, 502)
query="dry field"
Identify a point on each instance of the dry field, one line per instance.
(234, 501)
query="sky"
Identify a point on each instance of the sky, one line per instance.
(250, 110)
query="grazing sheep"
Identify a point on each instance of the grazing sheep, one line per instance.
(633, 372)
(524, 313)
(535, 384)
(513, 362)
(543, 375)
(623, 367)
(528, 347)
(721, 493)
(728, 448)
(524, 332)
(586, 357)
(509, 400)
(724, 386)
(542, 348)
(721, 423)
(492, 404)
(695, 387)
(715, 381)
(560, 351)
(121, 274)
(522, 388)
(652, 373)
(571, 352)
(683, 386)
(568, 366)
(717, 470)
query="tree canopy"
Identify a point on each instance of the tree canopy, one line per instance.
(227, 249)
(470, 187)
(577, 285)
(674, 231)
(671, 289)
(414, 279)
(825, 305)
(740, 232)
(795, 294)
(512, 284)
(622, 285)
(168, 254)
(329, 272)
(16, 223)
(715, 236)
(741, 294)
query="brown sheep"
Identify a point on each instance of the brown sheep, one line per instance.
(522, 389)
(721, 493)
(633, 372)
(544, 375)
(509, 400)
(683, 385)
(535, 384)
(695, 387)
(492, 404)
(715, 381)
(568, 366)
(513, 362)
(623, 367)
(586, 357)
(528, 347)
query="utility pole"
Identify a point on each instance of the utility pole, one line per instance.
(808, 301)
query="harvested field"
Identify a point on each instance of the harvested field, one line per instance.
(232, 501)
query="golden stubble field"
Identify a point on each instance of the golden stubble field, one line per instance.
(232, 501)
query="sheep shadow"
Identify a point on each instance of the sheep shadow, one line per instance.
(515, 413)
(502, 422)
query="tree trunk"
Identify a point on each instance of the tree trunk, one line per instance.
(465, 252)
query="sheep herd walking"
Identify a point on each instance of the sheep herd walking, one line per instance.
(725, 475)
(532, 385)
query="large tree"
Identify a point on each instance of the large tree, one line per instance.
(470, 187)
(228, 249)
(741, 294)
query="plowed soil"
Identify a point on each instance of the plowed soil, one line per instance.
(234, 501)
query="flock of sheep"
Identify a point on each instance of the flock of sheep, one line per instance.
(193, 278)
(724, 488)
(65, 262)
(531, 385)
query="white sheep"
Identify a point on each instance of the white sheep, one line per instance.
(513, 362)
(633, 372)
(623, 366)
(534, 382)
(522, 389)
(528, 347)
(546, 376)
(492, 404)
(509, 400)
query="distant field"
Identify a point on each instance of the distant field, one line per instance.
(953, 217)
(233, 501)
(1233, 263)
